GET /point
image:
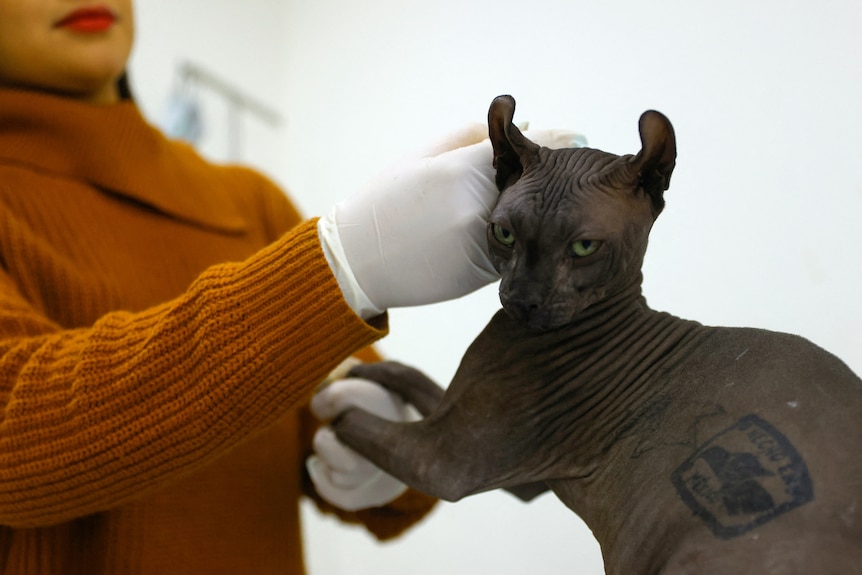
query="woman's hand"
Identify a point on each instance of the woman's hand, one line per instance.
(340, 475)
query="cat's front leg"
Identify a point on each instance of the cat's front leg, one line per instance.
(412, 385)
(450, 454)
(410, 452)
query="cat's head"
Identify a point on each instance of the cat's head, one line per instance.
(571, 225)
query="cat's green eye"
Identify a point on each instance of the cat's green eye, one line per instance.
(584, 248)
(502, 235)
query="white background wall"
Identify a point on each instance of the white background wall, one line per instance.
(764, 215)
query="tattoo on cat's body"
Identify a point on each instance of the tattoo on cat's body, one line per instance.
(743, 477)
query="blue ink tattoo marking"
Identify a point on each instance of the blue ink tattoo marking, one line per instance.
(743, 477)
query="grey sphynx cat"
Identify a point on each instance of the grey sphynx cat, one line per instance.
(685, 448)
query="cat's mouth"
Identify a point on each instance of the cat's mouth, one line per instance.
(537, 317)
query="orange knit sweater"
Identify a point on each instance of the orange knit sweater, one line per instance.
(162, 321)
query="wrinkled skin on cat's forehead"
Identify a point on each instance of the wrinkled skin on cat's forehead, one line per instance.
(571, 225)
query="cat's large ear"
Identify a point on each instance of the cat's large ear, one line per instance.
(513, 152)
(654, 164)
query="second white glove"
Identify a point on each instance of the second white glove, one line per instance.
(340, 475)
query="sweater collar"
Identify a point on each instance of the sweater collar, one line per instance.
(116, 150)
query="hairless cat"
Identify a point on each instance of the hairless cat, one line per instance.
(686, 449)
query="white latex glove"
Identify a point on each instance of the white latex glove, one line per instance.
(416, 234)
(340, 475)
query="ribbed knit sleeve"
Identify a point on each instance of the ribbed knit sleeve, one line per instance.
(95, 416)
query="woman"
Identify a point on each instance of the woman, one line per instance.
(163, 320)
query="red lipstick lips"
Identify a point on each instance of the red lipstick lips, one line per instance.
(88, 20)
